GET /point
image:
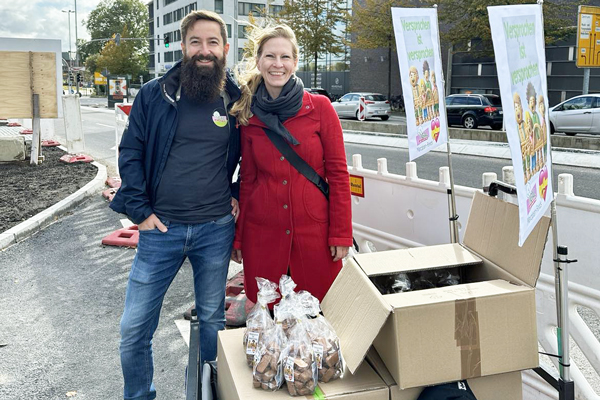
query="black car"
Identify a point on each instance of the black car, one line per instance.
(473, 110)
(320, 91)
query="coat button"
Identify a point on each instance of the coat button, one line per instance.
(287, 232)
(285, 206)
(284, 182)
(307, 107)
(281, 158)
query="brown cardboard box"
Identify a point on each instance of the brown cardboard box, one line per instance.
(485, 326)
(508, 386)
(235, 378)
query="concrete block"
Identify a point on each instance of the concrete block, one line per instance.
(12, 148)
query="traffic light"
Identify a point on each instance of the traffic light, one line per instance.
(118, 39)
(167, 39)
(71, 78)
(78, 77)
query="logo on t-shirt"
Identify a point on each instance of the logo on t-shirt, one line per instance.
(219, 117)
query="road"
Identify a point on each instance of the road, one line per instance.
(467, 170)
(98, 125)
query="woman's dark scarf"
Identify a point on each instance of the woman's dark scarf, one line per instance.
(273, 112)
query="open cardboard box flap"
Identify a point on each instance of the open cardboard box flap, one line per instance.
(493, 232)
(358, 311)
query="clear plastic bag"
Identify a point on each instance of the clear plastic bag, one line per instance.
(267, 372)
(259, 319)
(299, 367)
(325, 342)
(284, 311)
(388, 284)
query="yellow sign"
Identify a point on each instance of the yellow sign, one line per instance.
(588, 37)
(99, 79)
(357, 186)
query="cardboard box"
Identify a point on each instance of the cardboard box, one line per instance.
(507, 386)
(486, 326)
(235, 378)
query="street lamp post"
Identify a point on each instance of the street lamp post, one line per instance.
(70, 57)
(76, 46)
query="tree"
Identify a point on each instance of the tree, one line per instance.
(314, 22)
(371, 27)
(122, 59)
(111, 17)
(465, 20)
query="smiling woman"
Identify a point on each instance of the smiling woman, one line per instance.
(286, 224)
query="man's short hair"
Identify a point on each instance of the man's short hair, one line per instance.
(205, 15)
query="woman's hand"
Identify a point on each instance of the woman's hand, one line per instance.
(235, 208)
(236, 255)
(338, 252)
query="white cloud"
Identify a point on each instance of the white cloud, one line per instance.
(44, 19)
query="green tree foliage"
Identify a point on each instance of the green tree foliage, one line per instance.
(91, 63)
(314, 22)
(371, 23)
(111, 17)
(122, 59)
(465, 20)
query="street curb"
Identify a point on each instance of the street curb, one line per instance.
(44, 218)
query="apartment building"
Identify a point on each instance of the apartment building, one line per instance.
(165, 19)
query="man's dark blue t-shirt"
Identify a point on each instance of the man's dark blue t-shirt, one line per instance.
(194, 187)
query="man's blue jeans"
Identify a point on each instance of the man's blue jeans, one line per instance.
(158, 259)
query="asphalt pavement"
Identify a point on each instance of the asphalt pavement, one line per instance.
(62, 294)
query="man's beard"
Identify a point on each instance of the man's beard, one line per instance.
(202, 83)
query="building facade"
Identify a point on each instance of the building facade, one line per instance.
(165, 19)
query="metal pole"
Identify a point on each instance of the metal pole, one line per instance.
(452, 207)
(586, 81)
(76, 52)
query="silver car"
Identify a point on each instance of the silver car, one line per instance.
(377, 105)
(580, 114)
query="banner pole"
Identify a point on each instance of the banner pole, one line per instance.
(453, 217)
(561, 288)
(454, 238)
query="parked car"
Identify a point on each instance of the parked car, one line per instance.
(320, 91)
(377, 105)
(580, 114)
(473, 110)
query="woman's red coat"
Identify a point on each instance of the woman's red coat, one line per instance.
(285, 220)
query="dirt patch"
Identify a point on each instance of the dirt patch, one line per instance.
(27, 189)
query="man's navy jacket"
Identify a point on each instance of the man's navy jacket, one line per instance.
(147, 140)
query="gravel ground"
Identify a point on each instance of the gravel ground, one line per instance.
(29, 189)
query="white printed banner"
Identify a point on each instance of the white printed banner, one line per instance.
(518, 37)
(418, 46)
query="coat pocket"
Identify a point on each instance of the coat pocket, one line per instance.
(315, 203)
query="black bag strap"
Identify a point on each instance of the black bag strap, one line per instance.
(301, 166)
(298, 162)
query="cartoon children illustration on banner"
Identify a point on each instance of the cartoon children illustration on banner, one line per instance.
(518, 37)
(417, 41)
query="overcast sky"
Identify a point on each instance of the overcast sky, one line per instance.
(44, 19)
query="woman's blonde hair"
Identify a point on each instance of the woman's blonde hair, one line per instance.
(250, 77)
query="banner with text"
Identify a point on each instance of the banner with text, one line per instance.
(518, 37)
(418, 47)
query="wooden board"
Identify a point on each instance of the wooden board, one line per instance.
(15, 84)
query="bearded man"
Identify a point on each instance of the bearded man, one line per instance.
(177, 158)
